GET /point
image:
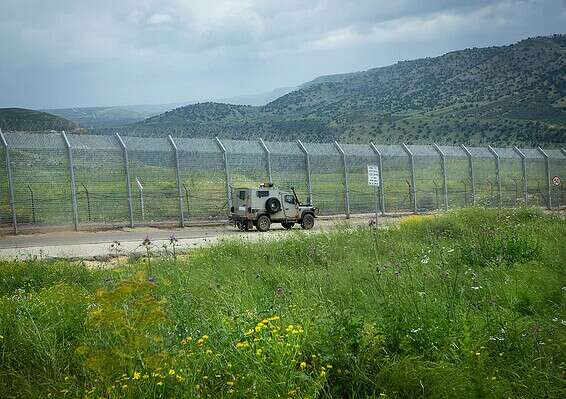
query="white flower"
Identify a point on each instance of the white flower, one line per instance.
(476, 287)
(450, 250)
(416, 330)
(425, 259)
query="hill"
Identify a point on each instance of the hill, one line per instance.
(108, 117)
(27, 120)
(512, 94)
(114, 116)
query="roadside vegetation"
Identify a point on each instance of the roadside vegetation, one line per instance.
(463, 305)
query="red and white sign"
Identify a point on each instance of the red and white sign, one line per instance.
(556, 181)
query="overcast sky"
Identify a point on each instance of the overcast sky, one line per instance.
(67, 53)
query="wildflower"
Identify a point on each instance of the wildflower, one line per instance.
(476, 287)
(258, 351)
(146, 242)
(124, 386)
(416, 330)
(180, 378)
(171, 372)
(477, 353)
(160, 383)
(208, 351)
(137, 375)
(323, 373)
(242, 345)
(230, 383)
(172, 238)
(303, 365)
(425, 259)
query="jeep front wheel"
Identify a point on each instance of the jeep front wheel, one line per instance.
(308, 222)
(263, 223)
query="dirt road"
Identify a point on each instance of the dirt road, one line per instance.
(85, 244)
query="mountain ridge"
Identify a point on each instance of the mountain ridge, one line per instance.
(28, 120)
(511, 94)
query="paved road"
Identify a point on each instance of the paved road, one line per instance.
(84, 244)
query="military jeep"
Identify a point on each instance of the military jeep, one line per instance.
(259, 207)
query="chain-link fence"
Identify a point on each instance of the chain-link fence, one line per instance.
(96, 181)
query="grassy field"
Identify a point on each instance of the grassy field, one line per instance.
(429, 308)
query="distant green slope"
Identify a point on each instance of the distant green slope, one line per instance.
(27, 120)
(503, 95)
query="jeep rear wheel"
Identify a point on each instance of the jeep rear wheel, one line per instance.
(263, 223)
(308, 222)
(287, 225)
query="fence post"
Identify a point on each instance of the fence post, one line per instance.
(523, 173)
(471, 171)
(345, 172)
(227, 172)
(444, 175)
(308, 167)
(127, 172)
(10, 183)
(178, 178)
(380, 165)
(142, 203)
(547, 170)
(73, 183)
(413, 178)
(267, 159)
(497, 174)
(87, 202)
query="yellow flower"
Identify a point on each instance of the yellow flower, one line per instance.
(180, 378)
(124, 386)
(477, 353)
(137, 375)
(208, 351)
(242, 345)
(303, 365)
(230, 383)
(323, 373)
(160, 383)
(258, 352)
(171, 372)
(197, 387)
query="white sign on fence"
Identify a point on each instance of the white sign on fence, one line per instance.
(373, 175)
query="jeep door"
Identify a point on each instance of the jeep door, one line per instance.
(290, 207)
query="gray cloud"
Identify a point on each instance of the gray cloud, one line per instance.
(77, 53)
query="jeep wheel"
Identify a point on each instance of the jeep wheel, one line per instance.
(287, 225)
(308, 222)
(273, 205)
(263, 223)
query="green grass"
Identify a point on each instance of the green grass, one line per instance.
(463, 305)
